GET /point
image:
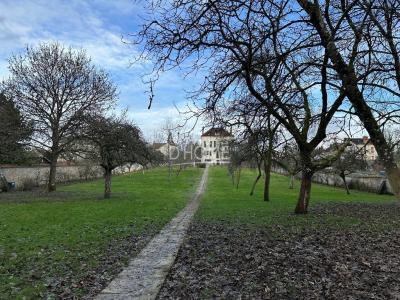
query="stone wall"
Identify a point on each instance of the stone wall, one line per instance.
(367, 183)
(361, 182)
(27, 177)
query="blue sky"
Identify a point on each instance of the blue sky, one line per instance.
(99, 27)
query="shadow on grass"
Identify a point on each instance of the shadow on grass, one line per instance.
(57, 196)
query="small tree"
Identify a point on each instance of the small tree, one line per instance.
(116, 142)
(349, 162)
(14, 133)
(239, 153)
(289, 159)
(263, 141)
(55, 87)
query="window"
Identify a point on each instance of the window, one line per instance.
(205, 144)
(215, 144)
(210, 143)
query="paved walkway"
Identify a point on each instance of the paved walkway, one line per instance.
(143, 277)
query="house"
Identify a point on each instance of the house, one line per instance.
(366, 148)
(215, 146)
(168, 149)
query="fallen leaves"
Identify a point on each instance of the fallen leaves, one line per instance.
(232, 261)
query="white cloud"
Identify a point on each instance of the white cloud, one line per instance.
(98, 26)
(74, 23)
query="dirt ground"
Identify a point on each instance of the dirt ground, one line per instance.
(326, 262)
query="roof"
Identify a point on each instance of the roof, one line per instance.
(358, 141)
(216, 132)
(157, 146)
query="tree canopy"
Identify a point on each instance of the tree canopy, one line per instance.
(114, 142)
(55, 87)
(14, 133)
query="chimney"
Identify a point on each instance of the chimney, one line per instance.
(365, 139)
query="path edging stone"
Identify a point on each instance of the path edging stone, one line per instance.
(145, 274)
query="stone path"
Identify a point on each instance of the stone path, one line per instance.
(143, 277)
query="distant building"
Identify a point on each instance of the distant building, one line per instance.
(215, 146)
(366, 148)
(167, 149)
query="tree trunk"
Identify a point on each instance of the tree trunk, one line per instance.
(267, 170)
(362, 109)
(393, 174)
(378, 139)
(257, 179)
(238, 178)
(179, 170)
(291, 184)
(343, 176)
(107, 183)
(383, 149)
(305, 191)
(51, 186)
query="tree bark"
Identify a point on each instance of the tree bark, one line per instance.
(343, 176)
(51, 186)
(238, 178)
(393, 174)
(378, 139)
(257, 179)
(291, 184)
(305, 191)
(267, 170)
(107, 183)
(350, 82)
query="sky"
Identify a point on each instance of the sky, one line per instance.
(103, 28)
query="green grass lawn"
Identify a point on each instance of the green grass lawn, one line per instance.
(55, 244)
(59, 245)
(240, 247)
(223, 202)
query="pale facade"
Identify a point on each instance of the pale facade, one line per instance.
(169, 150)
(365, 147)
(215, 146)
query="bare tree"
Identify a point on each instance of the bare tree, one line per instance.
(55, 87)
(258, 129)
(252, 52)
(289, 159)
(115, 142)
(362, 44)
(239, 152)
(349, 162)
